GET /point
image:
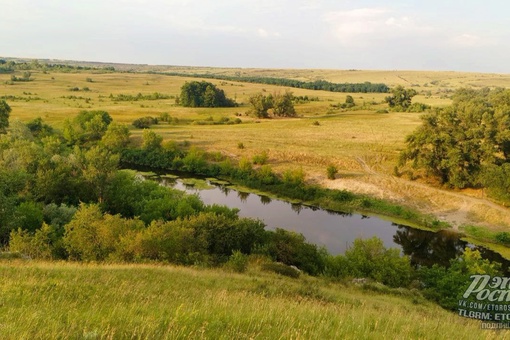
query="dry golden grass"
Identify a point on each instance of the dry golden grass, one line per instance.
(363, 144)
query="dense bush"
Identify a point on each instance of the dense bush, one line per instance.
(370, 259)
(144, 122)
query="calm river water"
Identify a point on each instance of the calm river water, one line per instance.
(337, 231)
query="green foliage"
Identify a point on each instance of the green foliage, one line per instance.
(260, 105)
(331, 171)
(291, 248)
(92, 236)
(26, 77)
(294, 177)
(144, 122)
(322, 85)
(261, 158)
(237, 262)
(370, 259)
(38, 245)
(463, 145)
(446, 285)
(130, 98)
(203, 94)
(400, 99)
(496, 178)
(86, 127)
(151, 140)
(418, 107)
(39, 129)
(5, 110)
(28, 216)
(195, 161)
(283, 105)
(116, 137)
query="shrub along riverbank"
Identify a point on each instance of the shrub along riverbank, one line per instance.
(290, 186)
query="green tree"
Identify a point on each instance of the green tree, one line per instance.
(151, 140)
(203, 94)
(283, 105)
(99, 167)
(260, 105)
(455, 144)
(400, 99)
(116, 137)
(5, 110)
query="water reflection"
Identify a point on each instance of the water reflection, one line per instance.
(225, 189)
(265, 199)
(243, 196)
(426, 248)
(296, 207)
(336, 231)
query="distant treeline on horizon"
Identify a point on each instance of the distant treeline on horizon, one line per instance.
(366, 87)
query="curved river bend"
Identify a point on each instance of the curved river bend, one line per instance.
(336, 231)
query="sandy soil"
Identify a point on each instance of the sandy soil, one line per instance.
(455, 207)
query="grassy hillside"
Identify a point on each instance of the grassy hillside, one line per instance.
(66, 300)
(363, 144)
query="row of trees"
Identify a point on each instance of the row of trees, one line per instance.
(323, 85)
(466, 144)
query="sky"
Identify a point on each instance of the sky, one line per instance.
(334, 34)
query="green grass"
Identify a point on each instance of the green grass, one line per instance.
(78, 301)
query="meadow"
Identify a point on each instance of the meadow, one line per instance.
(363, 143)
(41, 300)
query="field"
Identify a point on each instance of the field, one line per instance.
(78, 301)
(362, 143)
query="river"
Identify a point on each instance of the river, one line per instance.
(333, 230)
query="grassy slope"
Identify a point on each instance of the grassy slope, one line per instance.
(67, 300)
(363, 144)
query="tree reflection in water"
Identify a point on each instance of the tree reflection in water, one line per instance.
(265, 200)
(426, 248)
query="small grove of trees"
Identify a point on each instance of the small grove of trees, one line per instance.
(281, 104)
(87, 126)
(400, 98)
(466, 144)
(203, 94)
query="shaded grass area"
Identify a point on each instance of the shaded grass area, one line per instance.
(66, 300)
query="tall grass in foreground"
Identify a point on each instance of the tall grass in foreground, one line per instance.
(66, 300)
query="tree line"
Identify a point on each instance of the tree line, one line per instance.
(365, 87)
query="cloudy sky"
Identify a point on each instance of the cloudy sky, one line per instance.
(456, 35)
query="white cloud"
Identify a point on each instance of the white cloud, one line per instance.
(366, 25)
